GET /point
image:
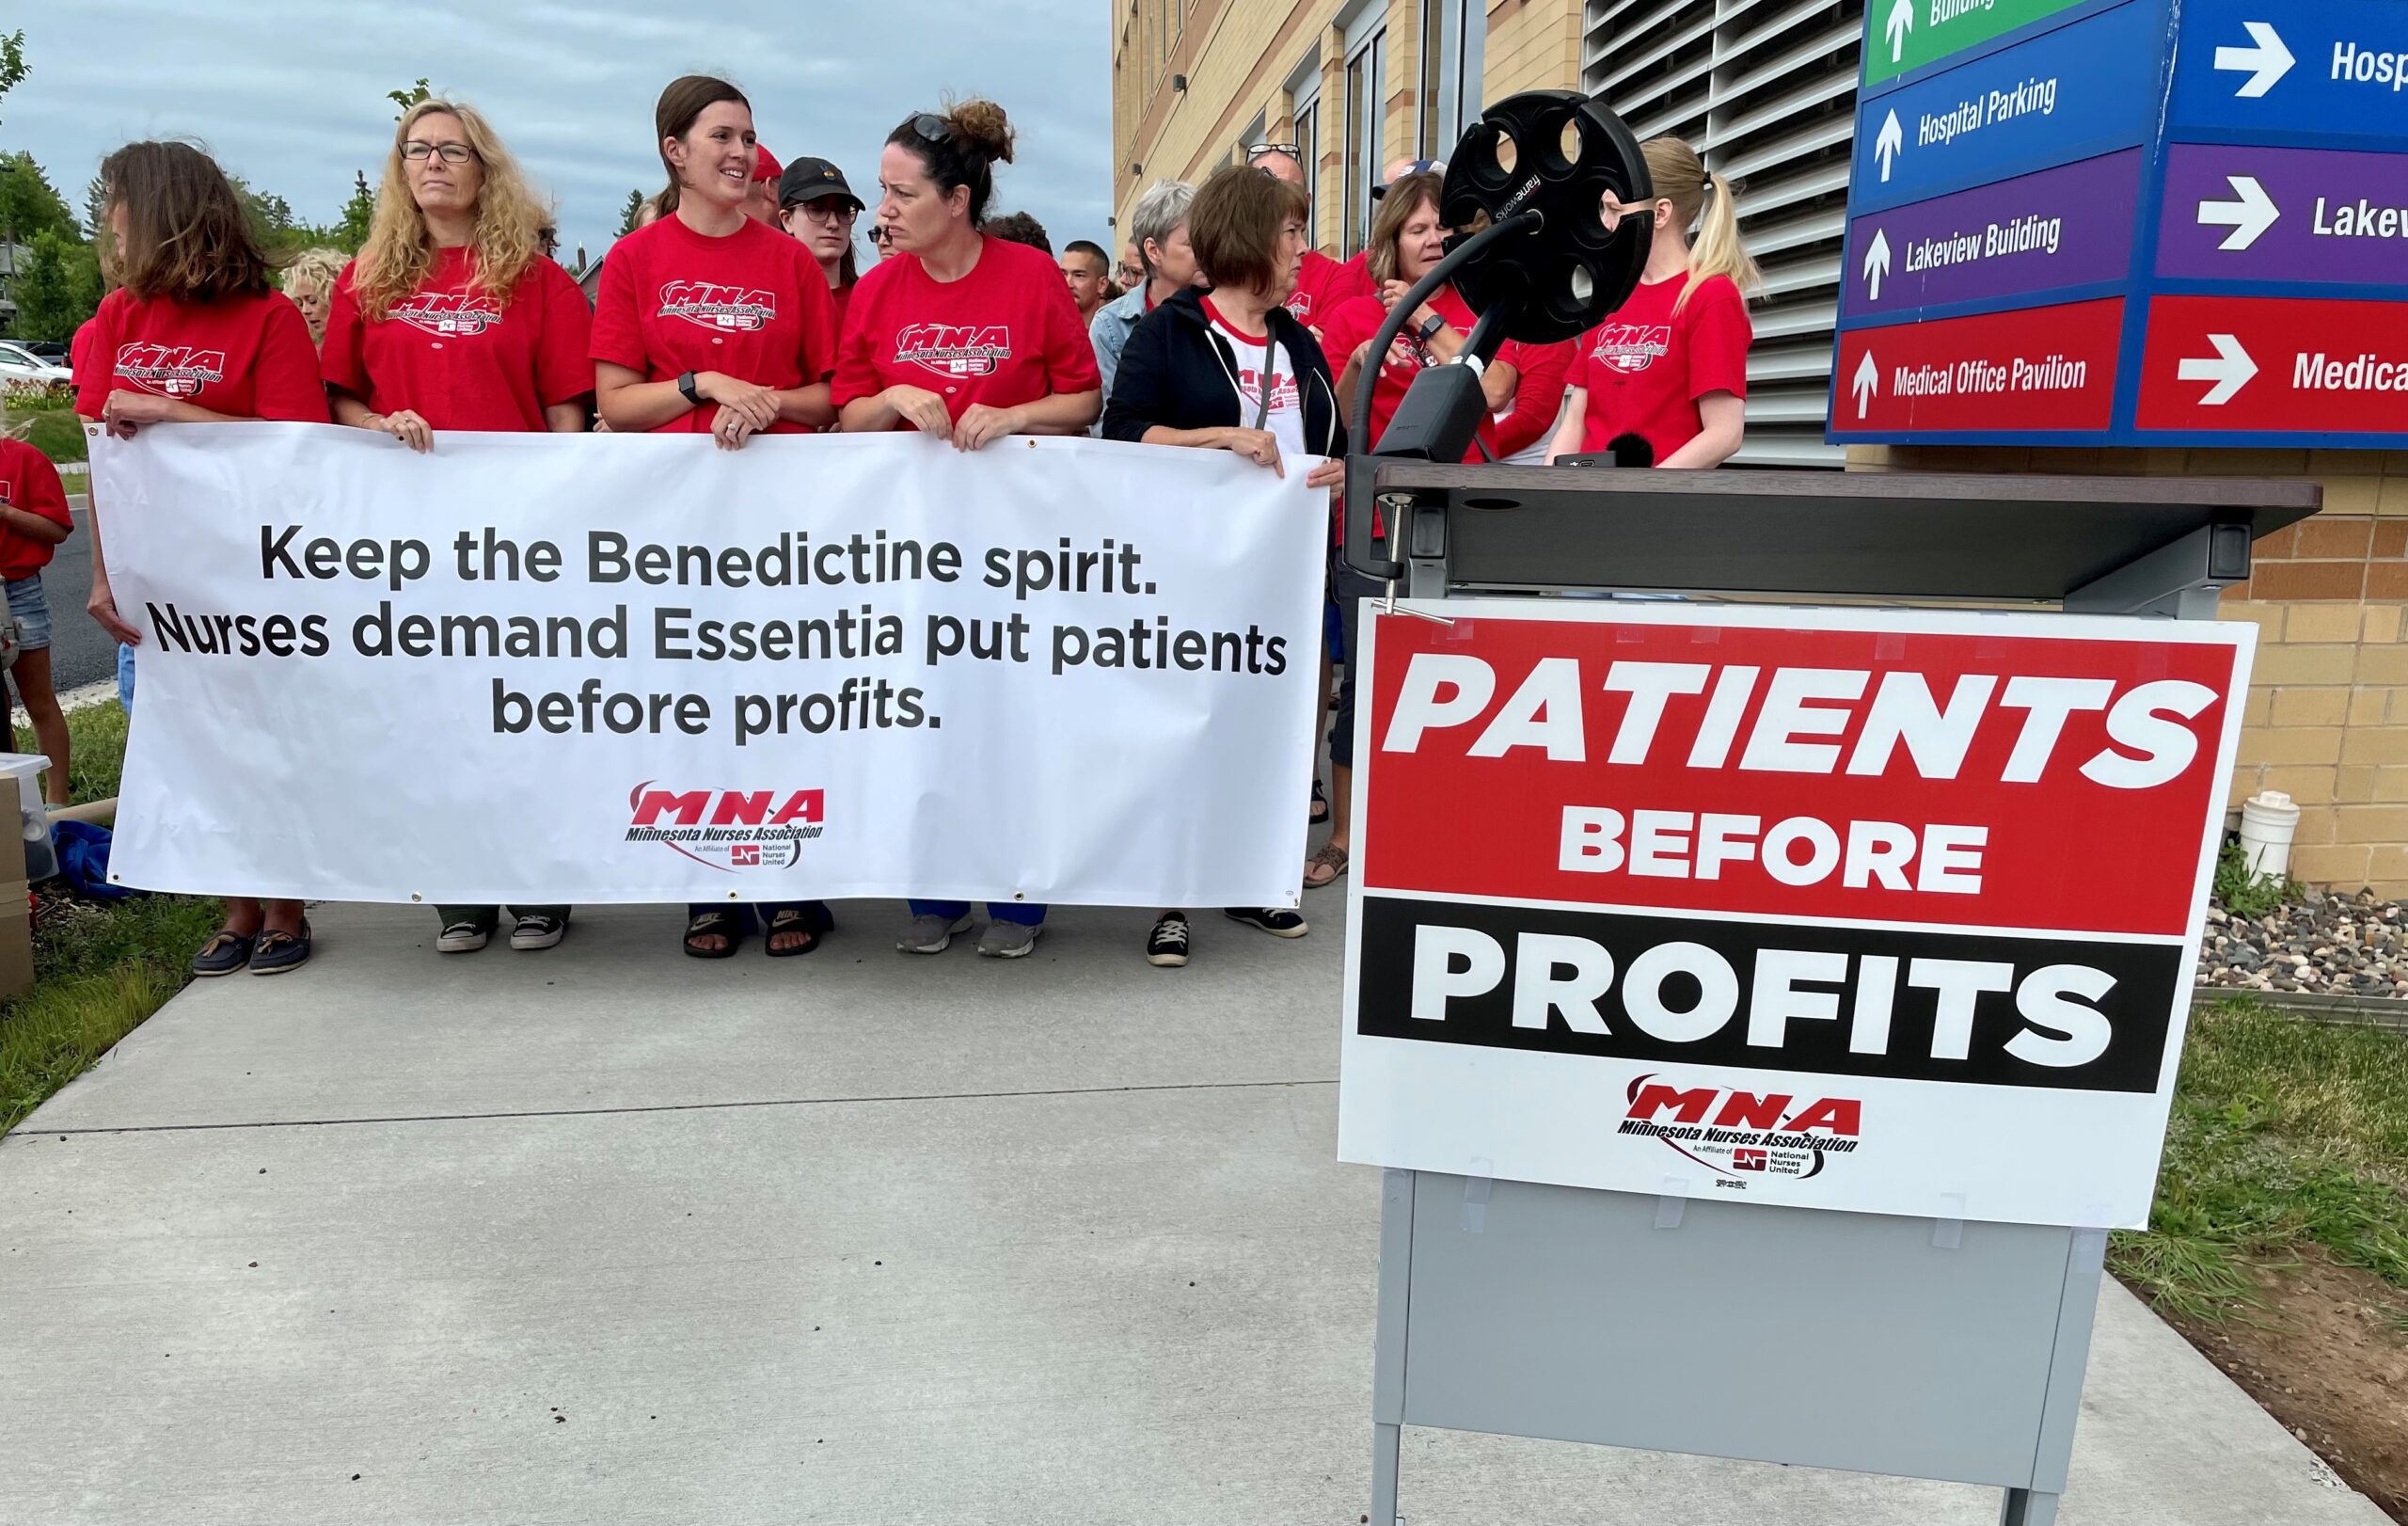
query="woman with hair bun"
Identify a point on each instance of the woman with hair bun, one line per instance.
(1670, 367)
(1020, 366)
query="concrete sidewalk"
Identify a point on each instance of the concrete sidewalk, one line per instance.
(612, 1236)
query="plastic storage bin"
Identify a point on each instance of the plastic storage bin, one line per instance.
(41, 859)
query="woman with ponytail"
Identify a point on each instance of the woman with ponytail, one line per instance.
(1670, 367)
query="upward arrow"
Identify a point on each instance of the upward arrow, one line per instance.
(2265, 63)
(2249, 217)
(1887, 145)
(1867, 383)
(1901, 21)
(1877, 264)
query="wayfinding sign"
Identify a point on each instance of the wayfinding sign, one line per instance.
(1775, 905)
(2233, 174)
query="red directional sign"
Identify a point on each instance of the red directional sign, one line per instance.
(2040, 369)
(2276, 364)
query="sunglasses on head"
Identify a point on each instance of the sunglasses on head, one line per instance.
(928, 125)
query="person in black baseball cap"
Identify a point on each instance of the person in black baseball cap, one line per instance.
(818, 209)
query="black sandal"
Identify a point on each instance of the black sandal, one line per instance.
(791, 920)
(723, 925)
(224, 952)
(1319, 811)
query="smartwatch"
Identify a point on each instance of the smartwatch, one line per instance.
(686, 385)
(1430, 330)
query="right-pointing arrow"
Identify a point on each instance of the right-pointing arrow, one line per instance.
(1877, 264)
(2265, 62)
(2230, 369)
(1868, 383)
(2250, 215)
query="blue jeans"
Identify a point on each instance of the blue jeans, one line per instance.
(1020, 913)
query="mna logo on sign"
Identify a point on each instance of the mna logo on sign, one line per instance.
(1731, 1131)
(955, 349)
(728, 828)
(741, 309)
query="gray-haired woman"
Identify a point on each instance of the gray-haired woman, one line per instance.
(1158, 228)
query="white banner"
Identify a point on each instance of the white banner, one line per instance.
(637, 668)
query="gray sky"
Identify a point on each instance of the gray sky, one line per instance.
(290, 94)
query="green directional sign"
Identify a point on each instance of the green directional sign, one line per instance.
(1900, 35)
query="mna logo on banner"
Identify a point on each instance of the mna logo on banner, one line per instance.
(1728, 1132)
(728, 828)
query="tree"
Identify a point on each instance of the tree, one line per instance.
(12, 60)
(28, 205)
(58, 287)
(406, 99)
(628, 213)
(96, 208)
(351, 231)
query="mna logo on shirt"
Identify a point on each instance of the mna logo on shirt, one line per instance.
(448, 313)
(955, 349)
(1631, 348)
(170, 370)
(1283, 393)
(740, 309)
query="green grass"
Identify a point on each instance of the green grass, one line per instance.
(99, 969)
(57, 433)
(2287, 1134)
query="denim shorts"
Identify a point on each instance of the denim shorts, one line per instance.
(32, 613)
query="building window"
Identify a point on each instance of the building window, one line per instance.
(1366, 103)
(1450, 74)
(1307, 142)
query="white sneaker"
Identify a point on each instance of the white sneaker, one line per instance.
(1009, 940)
(931, 934)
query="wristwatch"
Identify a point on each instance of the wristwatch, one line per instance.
(686, 385)
(1430, 330)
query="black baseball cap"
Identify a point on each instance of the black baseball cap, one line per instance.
(813, 180)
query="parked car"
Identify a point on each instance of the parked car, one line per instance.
(45, 349)
(19, 364)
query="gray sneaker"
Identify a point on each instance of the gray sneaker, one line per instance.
(1008, 940)
(931, 934)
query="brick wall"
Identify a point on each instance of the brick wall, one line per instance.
(2326, 721)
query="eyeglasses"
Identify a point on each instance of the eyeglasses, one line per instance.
(453, 153)
(1256, 151)
(826, 209)
(932, 127)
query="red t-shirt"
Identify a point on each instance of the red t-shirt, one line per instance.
(841, 297)
(752, 305)
(463, 358)
(1646, 365)
(28, 481)
(1354, 323)
(1538, 392)
(1005, 334)
(1325, 284)
(247, 356)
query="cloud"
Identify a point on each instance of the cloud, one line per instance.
(290, 94)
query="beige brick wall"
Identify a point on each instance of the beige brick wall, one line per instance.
(1532, 46)
(2326, 721)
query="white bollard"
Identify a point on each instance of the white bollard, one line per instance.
(2267, 821)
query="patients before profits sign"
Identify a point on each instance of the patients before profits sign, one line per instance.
(1878, 911)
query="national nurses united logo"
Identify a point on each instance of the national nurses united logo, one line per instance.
(1742, 1137)
(955, 349)
(170, 370)
(1631, 348)
(743, 310)
(450, 313)
(733, 831)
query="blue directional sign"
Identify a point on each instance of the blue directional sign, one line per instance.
(2262, 72)
(2069, 93)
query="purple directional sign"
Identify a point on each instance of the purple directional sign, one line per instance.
(2284, 214)
(2070, 226)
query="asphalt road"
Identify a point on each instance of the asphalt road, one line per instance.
(80, 651)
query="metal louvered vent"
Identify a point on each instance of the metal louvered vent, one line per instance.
(1765, 90)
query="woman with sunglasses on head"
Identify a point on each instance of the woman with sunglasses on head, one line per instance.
(709, 321)
(1670, 366)
(937, 176)
(451, 318)
(195, 334)
(817, 207)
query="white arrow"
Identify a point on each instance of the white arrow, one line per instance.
(1901, 21)
(2265, 63)
(1876, 264)
(2249, 217)
(2230, 369)
(1868, 382)
(1886, 146)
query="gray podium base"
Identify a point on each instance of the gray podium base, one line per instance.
(1910, 1347)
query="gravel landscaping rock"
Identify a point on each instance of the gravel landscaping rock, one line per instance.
(2328, 943)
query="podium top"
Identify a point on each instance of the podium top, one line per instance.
(1898, 534)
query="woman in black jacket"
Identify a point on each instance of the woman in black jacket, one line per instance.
(1230, 370)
